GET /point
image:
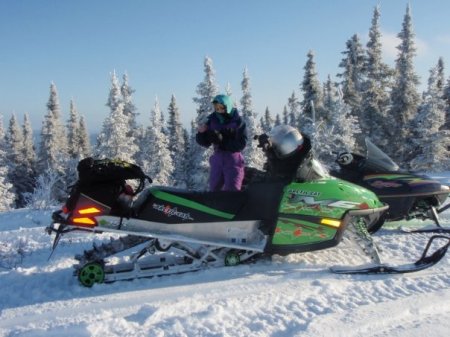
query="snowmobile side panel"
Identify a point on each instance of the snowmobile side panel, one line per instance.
(233, 234)
(313, 215)
(402, 184)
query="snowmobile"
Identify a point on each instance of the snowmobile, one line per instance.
(409, 195)
(174, 231)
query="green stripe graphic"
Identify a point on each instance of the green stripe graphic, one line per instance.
(191, 204)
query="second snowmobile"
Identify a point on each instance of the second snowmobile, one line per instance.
(174, 231)
(409, 195)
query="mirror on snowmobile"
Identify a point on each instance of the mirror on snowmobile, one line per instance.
(377, 160)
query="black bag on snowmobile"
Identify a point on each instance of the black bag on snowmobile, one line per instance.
(104, 180)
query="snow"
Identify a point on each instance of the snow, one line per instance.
(294, 295)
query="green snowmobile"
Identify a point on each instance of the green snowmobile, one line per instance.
(174, 231)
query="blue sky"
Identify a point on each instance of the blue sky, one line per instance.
(162, 44)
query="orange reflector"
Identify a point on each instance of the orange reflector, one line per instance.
(331, 222)
(90, 210)
(83, 221)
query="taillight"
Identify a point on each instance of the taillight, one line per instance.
(85, 210)
(89, 210)
(84, 221)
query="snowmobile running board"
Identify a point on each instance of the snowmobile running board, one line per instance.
(422, 263)
(231, 234)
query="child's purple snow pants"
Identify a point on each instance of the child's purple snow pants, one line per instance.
(227, 171)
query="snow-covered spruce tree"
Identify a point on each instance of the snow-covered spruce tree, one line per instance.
(339, 134)
(253, 155)
(353, 74)
(154, 157)
(312, 96)
(294, 107)
(72, 131)
(52, 156)
(113, 140)
(285, 115)
(206, 91)
(84, 144)
(29, 149)
(404, 96)
(129, 109)
(277, 120)
(375, 97)
(73, 145)
(175, 134)
(18, 174)
(53, 145)
(7, 196)
(447, 105)
(426, 126)
(267, 123)
(115, 96)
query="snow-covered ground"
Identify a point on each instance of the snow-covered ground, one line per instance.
(289, 296)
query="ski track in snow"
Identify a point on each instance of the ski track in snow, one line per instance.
(289, 296)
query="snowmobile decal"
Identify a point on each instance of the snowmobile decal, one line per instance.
(384, 184)
(190, 204)
(305, 193)
(292, 231)
(172, 211)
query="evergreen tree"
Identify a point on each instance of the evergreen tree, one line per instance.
(72, 131)
(339, 132)
(17, 164)
(53, 146)
(129, 109)
(115, 96)
(113, 140)
(294, 110)
(447, 105)
(277, 120)
(206, 91)
(84, 144)
(312, 104)
(428, 122)
(254, 157)
(404, 96)
(375, 97)
(176, 143)
(285, 115)
(7, 196)
(154, 157)
(353, 74)
(268, 122)
(28, 147)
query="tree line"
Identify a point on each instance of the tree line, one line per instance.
(368, 99)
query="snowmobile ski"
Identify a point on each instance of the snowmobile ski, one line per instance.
(424, 262)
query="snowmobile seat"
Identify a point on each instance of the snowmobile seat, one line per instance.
(172, 205)
(262, 204)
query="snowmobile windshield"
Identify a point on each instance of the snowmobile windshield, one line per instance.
(377, 160)
(311, 169)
